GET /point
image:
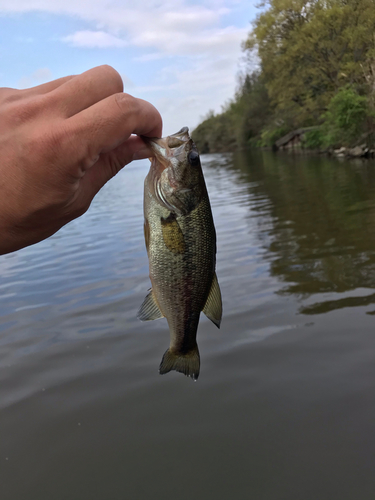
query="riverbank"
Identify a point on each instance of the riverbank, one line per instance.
(293, 142)
(296, 141)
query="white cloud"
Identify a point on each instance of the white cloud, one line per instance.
(39, 76)
(198, 48)
(94, 39)
(185, 95)
(172, 27)
(152, 56)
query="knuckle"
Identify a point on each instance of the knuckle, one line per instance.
(59, 147)
(45, 151)
(57, 139)
(18, 111)
(8, 96)
(142, 116)
(127, 103)
(47, 143)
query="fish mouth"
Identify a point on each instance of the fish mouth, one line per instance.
(170, 146)
(168, 163)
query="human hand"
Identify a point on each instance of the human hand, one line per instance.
(60, 143)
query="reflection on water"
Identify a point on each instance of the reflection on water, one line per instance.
(284, 407)
(322, 238)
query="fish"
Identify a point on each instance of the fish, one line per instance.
(180, 240)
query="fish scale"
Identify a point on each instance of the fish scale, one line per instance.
(181, 245)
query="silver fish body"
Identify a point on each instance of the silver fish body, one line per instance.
(181, 245)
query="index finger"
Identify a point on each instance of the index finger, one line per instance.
(110, 122)
(44, 88)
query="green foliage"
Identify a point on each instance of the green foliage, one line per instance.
(270, 135)
(314, 139)
(317, 67)
(310, 48)
(346, 117)
(216, 133)
(241, 122)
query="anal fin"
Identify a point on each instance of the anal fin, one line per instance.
(149, 310)
(213, 308)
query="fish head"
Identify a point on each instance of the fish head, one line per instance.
(175, 176)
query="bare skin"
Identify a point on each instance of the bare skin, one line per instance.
(60, 143)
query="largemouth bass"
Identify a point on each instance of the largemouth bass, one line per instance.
(181, 245)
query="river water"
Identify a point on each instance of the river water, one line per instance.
(284, 408)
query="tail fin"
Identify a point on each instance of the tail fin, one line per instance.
(188, 363)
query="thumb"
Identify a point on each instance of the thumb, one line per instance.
(110, 163)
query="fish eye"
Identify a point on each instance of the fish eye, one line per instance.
(193, 158)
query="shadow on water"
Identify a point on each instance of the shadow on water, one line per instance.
(323, 219)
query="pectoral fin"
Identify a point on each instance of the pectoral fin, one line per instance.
(146, 230)
(213, 308)
(149, 310)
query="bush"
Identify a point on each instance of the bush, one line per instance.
(345, 118)
(314, 139)
(270, 135)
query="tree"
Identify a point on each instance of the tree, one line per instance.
(242, 120)
(309, 49)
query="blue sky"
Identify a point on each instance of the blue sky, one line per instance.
(183, 56)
